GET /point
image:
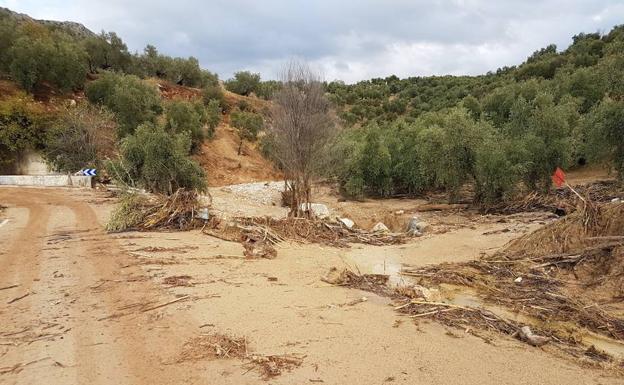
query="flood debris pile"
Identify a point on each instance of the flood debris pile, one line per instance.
(414, 302)
(211, 346)
(471, 320)
(594, 226)
(178, 211)
(257, 246)
(553, 286)
(567, 277)
(178, 280)
(526, 288)
(562, 200)
(273, 365)
(375, 283)
(303, 230)
(221, 346)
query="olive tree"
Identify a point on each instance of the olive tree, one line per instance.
(52, 58)
(243, 83)
(132, 100)
(605, 127)
(248, 125)
(158, 161)
(184, 116)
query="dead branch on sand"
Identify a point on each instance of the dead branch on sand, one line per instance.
(220, 346)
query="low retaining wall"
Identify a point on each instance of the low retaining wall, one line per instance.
(47, 180)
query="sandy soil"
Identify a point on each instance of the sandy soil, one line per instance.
(89, 315)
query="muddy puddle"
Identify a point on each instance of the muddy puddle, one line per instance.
(378, 264)
(467, 297)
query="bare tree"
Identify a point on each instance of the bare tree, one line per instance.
(302, 128)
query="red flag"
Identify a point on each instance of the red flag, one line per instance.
(558, 177)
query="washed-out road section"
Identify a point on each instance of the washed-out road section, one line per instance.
(75, 307)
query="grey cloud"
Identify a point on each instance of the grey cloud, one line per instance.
(347, 39)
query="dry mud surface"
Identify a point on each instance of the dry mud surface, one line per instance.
(79, 306)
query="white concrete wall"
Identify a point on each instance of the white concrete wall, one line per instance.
(46, 180)
(31, 162)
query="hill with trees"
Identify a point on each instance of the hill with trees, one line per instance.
(501, 134)
(144, 117)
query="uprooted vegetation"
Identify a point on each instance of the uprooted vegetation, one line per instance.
(139, 212)
(180, 211)
(561, 200)
(302, 230)
(220, 346)
(564, 282)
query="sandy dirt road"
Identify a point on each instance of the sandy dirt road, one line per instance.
(72, 276)
(83, 308)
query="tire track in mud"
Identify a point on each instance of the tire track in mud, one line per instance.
(79, 277)
(21, 266)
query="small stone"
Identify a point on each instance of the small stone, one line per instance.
(380, 227)
(318, 209)
(348, 223)
(416, 227)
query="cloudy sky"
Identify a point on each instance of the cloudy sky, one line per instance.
(345, 39)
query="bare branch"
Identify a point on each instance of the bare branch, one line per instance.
(302, 127)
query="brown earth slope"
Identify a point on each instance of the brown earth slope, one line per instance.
(219, 157)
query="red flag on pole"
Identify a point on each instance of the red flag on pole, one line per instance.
(558, 177)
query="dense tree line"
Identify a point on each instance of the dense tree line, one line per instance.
(501, 132)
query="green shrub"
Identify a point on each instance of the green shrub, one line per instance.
(496, 175)
(22, 126)
(158, 161)
(473, 106)
(436, 151)
(132, 100)
(268, 89)
(107, 51)
(247, 124)
(190, 117)
(128, 213)
(9, 33)
(77, 137)
(186, 72)
(213, 92)
(209, 79)
(541, 132)
(447, 149)
(213, 117)
(375, 165)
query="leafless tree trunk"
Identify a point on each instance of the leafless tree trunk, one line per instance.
(301, 129)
